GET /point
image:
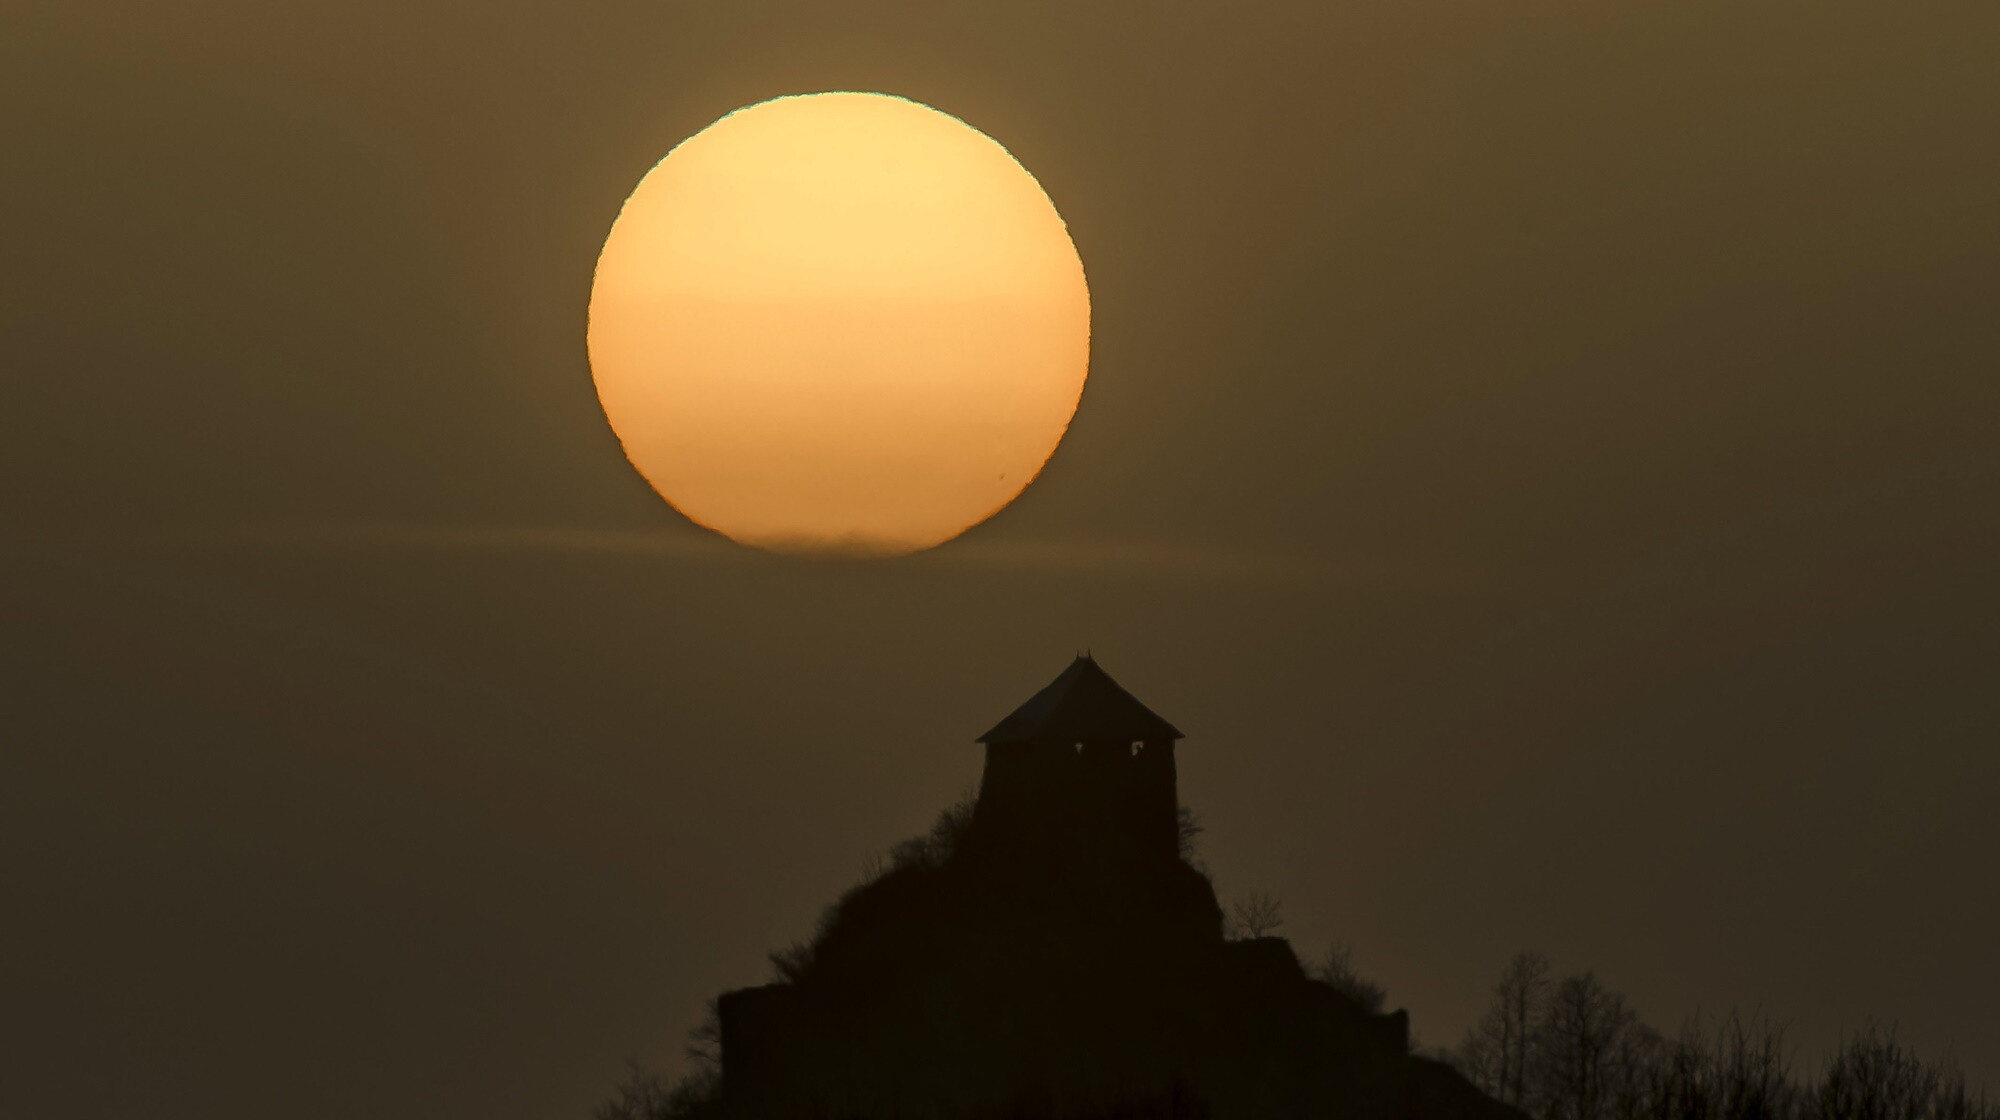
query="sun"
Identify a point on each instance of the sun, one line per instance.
(839, 322)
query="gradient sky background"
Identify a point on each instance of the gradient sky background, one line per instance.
(1543, 454)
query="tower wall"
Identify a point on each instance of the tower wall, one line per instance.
(1112, 797)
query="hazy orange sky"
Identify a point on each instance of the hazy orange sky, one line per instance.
(1542, 454)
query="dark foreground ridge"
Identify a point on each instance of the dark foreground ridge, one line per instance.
(1051, 952)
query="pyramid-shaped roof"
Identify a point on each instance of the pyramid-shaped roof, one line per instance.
(1083, 704)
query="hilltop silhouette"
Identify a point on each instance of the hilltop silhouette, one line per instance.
(1050, 950)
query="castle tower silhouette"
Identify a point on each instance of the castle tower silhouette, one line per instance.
(1053, 958)
(1081, 769)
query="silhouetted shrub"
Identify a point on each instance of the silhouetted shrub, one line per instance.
(935, 847)
(647, 1094)
(1336, 970)
(1187, 827)
(641, 1096)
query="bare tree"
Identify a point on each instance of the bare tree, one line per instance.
(1955, 1103)
(1634, 1051)
(1590, 1051)
(642, 1096)
(1575, 1050)
(1336, 970)
(1257, 914)
(693, 1094)
(1874, 1077)
(1496, 1052)
(1681, 1082)
(1752, 1071)
(647, 1094)
(704, 1042)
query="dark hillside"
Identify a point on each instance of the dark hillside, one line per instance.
(974, 980)
(1050, 951)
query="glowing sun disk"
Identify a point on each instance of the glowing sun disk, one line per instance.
(839, 321)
